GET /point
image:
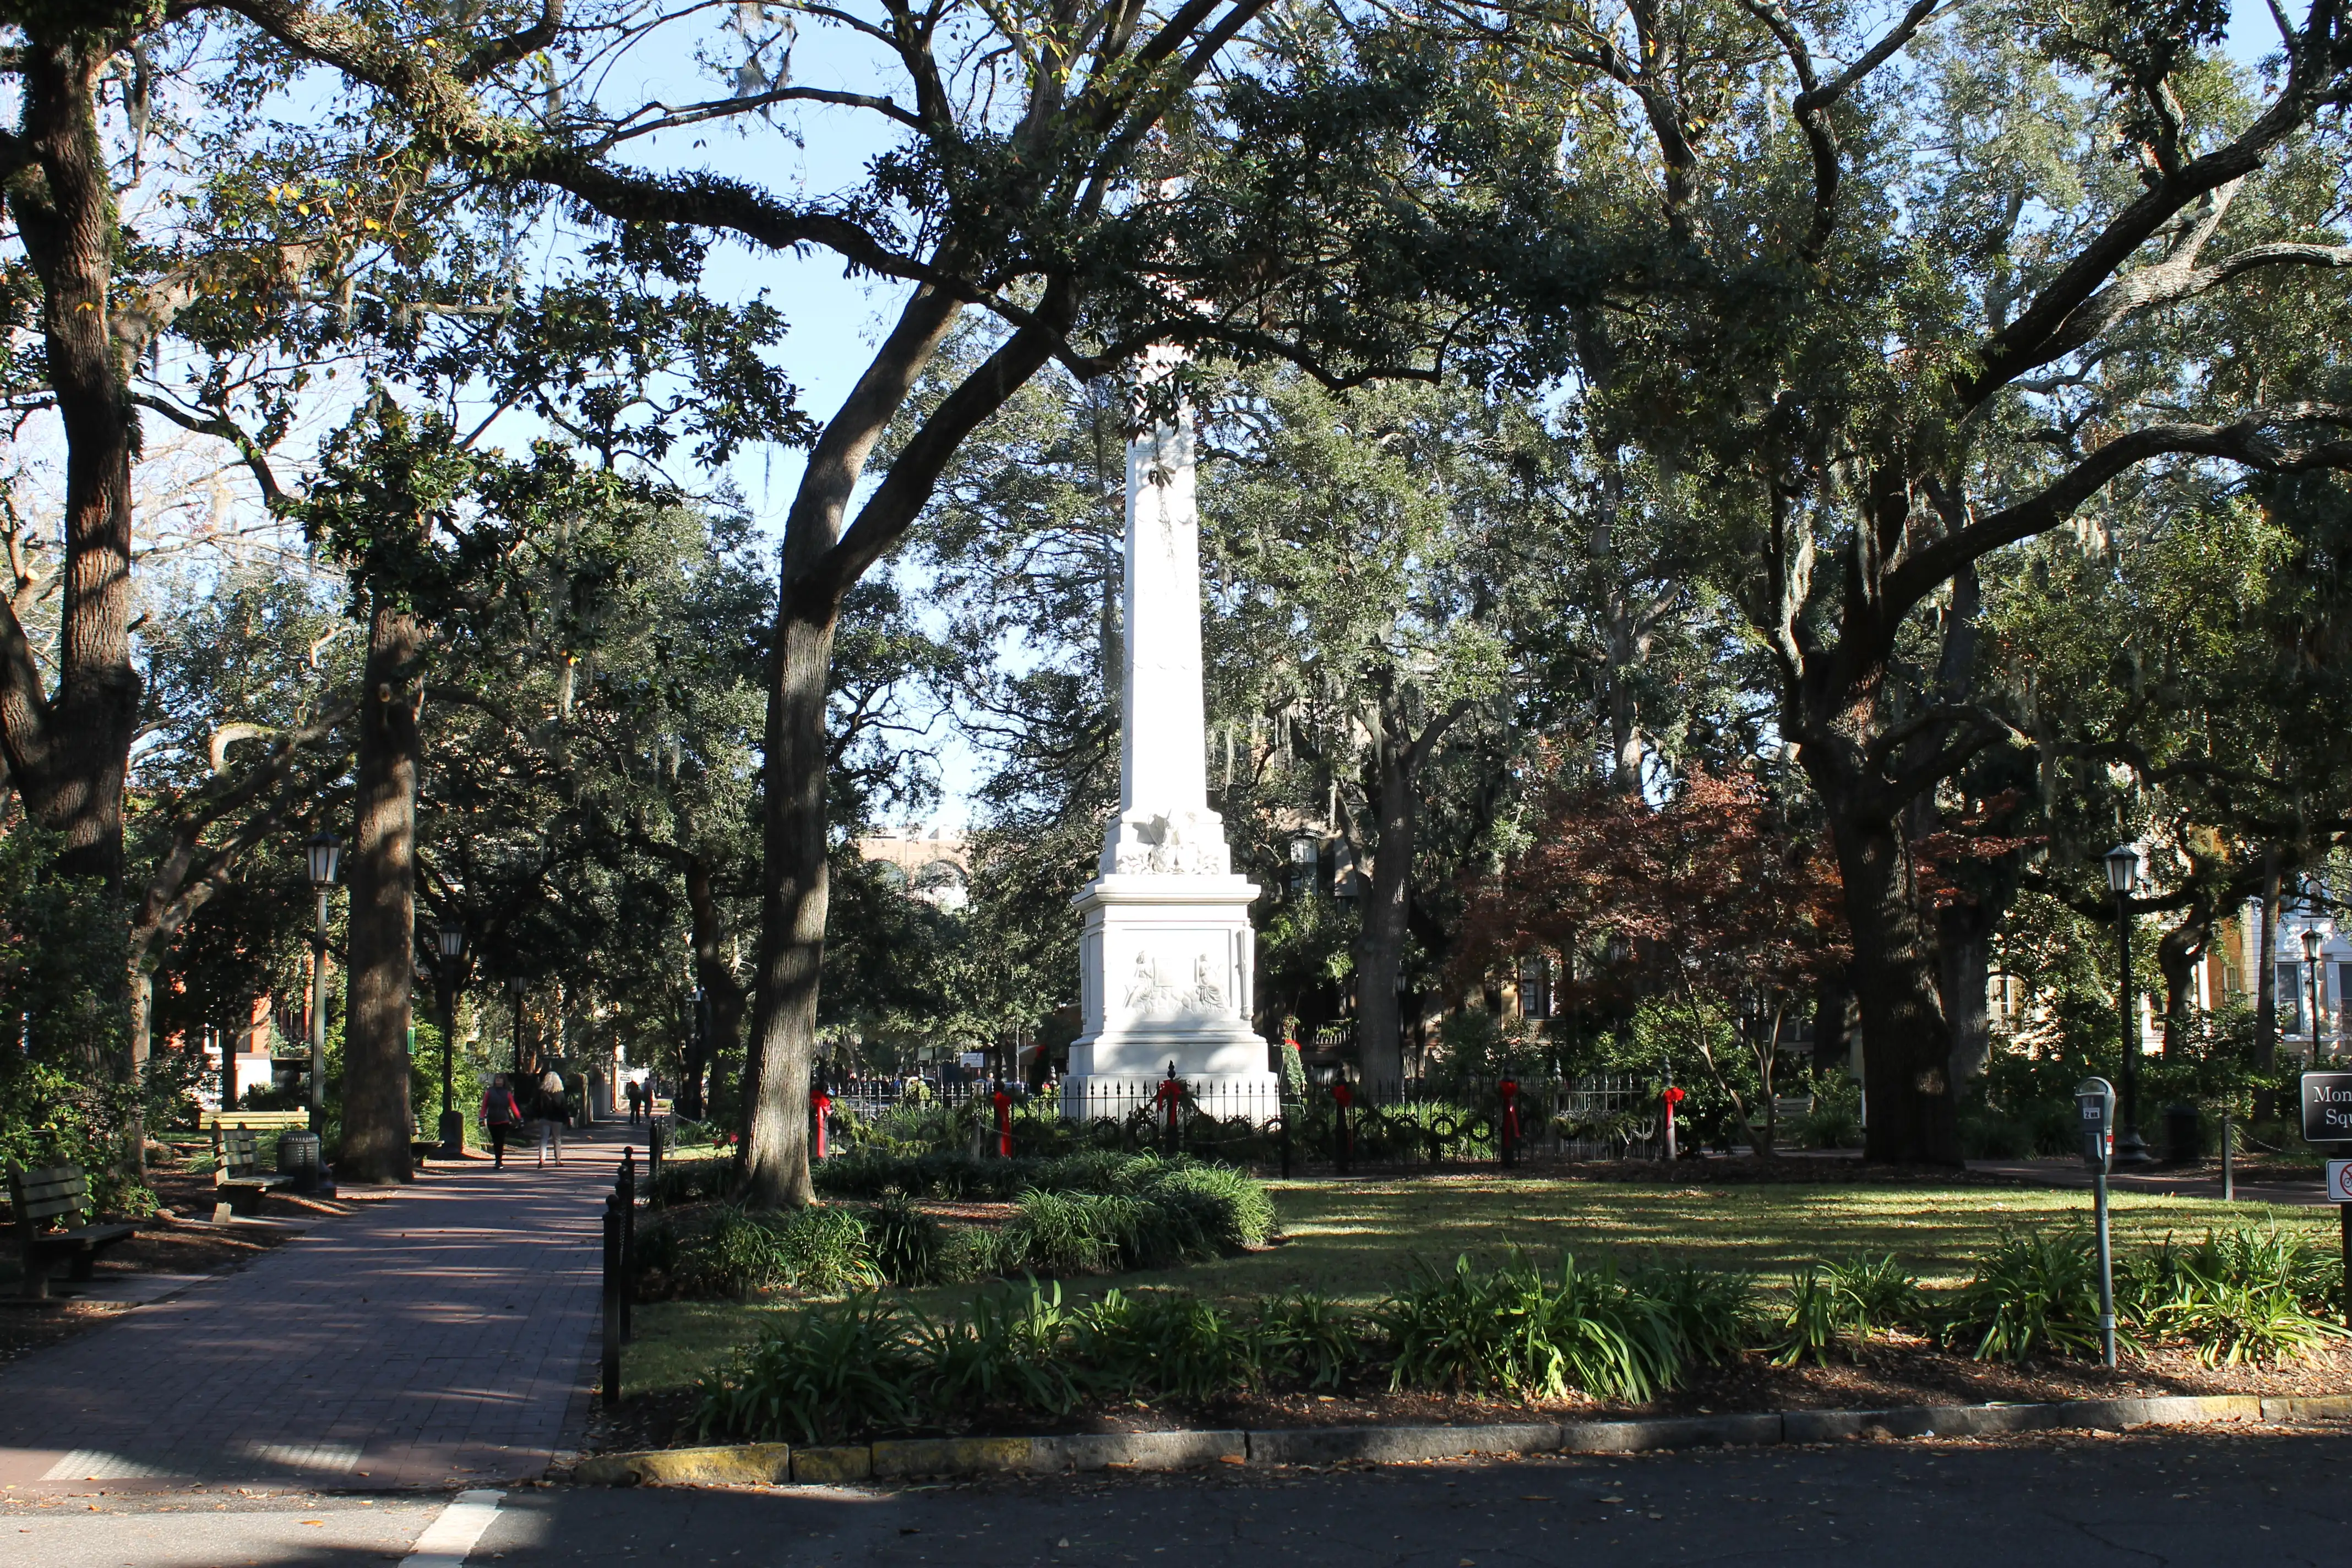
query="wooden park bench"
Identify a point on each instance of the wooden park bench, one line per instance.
(62, 1193)
(238, 1180)
(254, 1120)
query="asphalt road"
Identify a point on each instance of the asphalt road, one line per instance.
(2219, 1497)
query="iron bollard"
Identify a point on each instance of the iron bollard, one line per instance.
(612, 1308)
(653, 1163)
(626, 1191)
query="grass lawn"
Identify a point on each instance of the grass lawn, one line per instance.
(1359, 1238)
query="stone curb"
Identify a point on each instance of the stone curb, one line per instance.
(769, 1464)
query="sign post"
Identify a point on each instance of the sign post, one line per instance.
(2327, 1119)
(2096, 1099)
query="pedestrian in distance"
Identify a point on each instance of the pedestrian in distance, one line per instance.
(501, 1116)
(636, 1093)
(552, 1116)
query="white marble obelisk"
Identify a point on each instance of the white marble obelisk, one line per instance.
(1166, 958)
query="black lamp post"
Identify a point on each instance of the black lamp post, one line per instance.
(452, 942)
(324, 850)
(2123, 876)
(514, 990)
(2314, 939)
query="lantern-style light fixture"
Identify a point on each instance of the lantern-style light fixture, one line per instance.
(2314, 939)
(324, 849)
(453, 940)
(2122, 868)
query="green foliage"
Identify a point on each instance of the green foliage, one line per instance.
(1172, 1345)
(1309, 1340)
(1835, 1120)
(815, 1251)
(824, 1374)
(1513, 1330)
(2240, 1295)
(2037, 1294)
(1004, 1353)
(1836, 1303)
(1712, 1314)
(906, 1244)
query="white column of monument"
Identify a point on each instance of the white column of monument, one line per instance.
(1167, 949)
(1162, 765)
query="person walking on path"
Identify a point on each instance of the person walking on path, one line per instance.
(551, 1117)
(636, 1093)
(502, 1116)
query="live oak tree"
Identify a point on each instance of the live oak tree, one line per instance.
(1020, 170)
(1899, 302)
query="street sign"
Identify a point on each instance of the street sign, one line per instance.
(2339, 1180)
(2328, 1107)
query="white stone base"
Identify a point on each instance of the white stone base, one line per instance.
(1256, 1096)
(1165, 967)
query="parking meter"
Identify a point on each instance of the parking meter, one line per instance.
(2095, 1099)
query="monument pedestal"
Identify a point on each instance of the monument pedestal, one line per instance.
(1166, 962)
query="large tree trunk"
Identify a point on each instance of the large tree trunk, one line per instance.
(1907, 1044)
(2266, 968)
(69, 753)
(1379, 954)
(722, 991)
(378, 1121)
(1832, 1026)
(1964, 933)
(2178, 951)
(792, 909)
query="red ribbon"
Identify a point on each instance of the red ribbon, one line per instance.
(1003, 1103)
(1510, 1091)
(1341, 1094)
(822, 1103)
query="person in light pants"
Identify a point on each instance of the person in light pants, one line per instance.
(551, 1117)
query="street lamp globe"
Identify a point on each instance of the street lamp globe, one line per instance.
(2122, 868)
(324, 850)
(2314, 939)
(453, 940)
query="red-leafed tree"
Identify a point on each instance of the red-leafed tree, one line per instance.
(1724, 907)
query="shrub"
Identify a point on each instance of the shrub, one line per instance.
(1173, 1345)
(1513, 1330)
(1835, 1303)
(1308, 1339)
(817, 1251)
(971, 1252)
(1713, 1315)
(905, 1244)
(1243, 1211)
(1062, 1233)
(825, 1374)
(2037, 1292)
(2237, 1295)
(1000, 1354)
(692, 1181)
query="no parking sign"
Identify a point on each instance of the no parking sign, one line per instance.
(2339, 1180)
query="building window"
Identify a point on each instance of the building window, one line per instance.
(2290, 998)
(1534, 993)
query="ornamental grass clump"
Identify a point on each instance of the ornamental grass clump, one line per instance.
(1004, 1353)
(905, 1244)
(825, 1374)
(1516, 1331)
(2037, 1293)
(1308, 1341)
(2241, 1294)
(1834, 1305)
(1714, 1315)
(817, 1252)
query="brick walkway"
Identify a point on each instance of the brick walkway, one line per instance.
(444, 1336)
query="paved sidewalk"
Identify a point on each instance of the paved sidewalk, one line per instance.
(441, 1337)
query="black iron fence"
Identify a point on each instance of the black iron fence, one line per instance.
(1347, 1126)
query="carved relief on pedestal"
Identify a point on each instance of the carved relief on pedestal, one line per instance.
(1158, 983)
(1175, 844)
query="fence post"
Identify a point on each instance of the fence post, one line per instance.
(1284, 1121)
(1507, 1125)
(653, 1162)
(612, 1312)
(1344, 1146)
(626, 1189)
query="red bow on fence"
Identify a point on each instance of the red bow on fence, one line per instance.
(1003, 1103)
(821, 1103)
